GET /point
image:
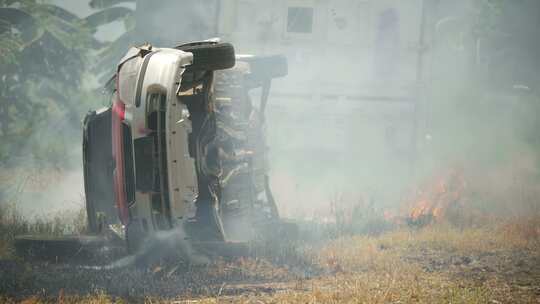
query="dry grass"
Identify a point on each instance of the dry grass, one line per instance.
(521, 232)
(384, 269)
(98, 298)
(12, 223)
(363, 251)
(19, 180)
(470, 262)
(375, 270)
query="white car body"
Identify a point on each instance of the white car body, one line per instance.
(160, 72)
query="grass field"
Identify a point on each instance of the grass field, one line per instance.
(460, 254)
(435, 264)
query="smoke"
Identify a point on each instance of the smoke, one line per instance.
(162, 245)
(45, 180)
(338, 124)
(342, 124)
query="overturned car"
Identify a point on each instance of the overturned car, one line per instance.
(150, 155)
(181, 147)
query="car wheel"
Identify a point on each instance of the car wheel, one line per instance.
(210, 57)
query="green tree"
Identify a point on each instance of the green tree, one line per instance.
(507, 31)
(112, 11)
(42, 59)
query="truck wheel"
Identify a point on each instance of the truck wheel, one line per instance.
(210, 57)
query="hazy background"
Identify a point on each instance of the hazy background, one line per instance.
(381, 95)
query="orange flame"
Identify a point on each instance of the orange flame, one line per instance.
(433, 204)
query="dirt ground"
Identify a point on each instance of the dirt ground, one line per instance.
(431, 265)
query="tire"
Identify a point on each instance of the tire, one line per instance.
(267, 67)
(211, 57)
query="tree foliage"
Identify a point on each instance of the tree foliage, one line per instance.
(112, 11)
(42, 58)
(508, 30)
